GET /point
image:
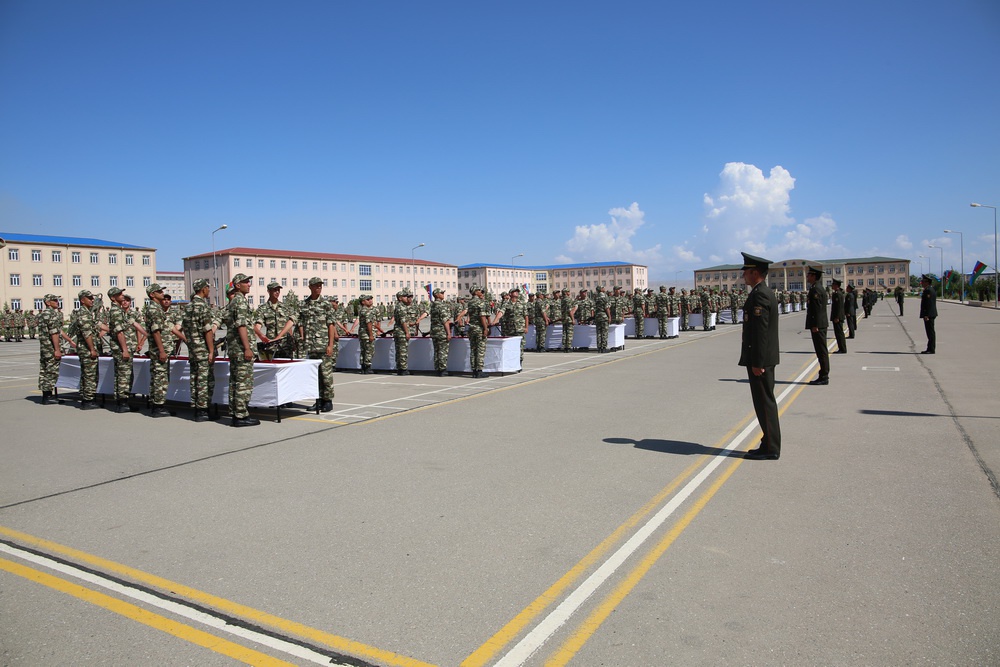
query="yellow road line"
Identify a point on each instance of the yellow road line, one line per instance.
(187, 633)
(166, 586)
(505, 635)
(596, 618)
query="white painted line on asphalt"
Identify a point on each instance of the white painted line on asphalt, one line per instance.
(548, 626)
(173, 607)
(880, 368)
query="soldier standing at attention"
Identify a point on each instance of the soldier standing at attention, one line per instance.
(568, 310)
(639, 313)
(277, 320)
(402, 318)
(837, 316)
(759, 354)
(368, 328)
(817, 323)
(516, 317)
(602, 317)
(199, 331)
(706, 309)
(50, 323)
(85, 327)
(159, 357)
(851, 310)
(440, 331)
(239, 319)
(663, 300)
(541, 321)
(319, 338)
(32, 321)
(928, 312)
(683, 308)
(900, 295)
(479, 326)
(118, 325)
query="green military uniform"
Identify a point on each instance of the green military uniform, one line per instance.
(759, 353)
(319, 340)
(50, 323)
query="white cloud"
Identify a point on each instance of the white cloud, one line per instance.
(612, 240)
(811, 239)
(903, 242)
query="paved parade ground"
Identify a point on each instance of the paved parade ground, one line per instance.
(590, 510)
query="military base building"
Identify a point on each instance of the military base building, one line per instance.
(172, 283)
(877, 273)
(34, 265)
(496, 278)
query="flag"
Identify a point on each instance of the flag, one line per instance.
(430, 291)
(947, 276)
(976, 272)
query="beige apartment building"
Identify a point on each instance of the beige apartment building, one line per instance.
(498, 278)
(877, 273)
(34, 265)
(172, 283)
(346, 276)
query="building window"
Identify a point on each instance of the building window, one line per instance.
(94, 258)
(56, 256)
(113, 281)
(129, 260)
(260, 281)
(260, 264)
(236, 262)
(112, 258)
(365, 270)
(95, 281)
(295, 264)
(284, 264)
(36, 255)
(284, 282)
(250, 299)
(146, 261)
(273, 264)
(129, 281)
(295, 282)
(39, 304)
(147, 281)
(77, 281)
(75, 257)
(15, 280)
(352, 282)
(316, 266)
(365, 285)
(15, 304)
(36, 280)
(13, 254)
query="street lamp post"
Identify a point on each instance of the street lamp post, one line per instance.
(961, 240)
(996, 273)
(940, 277)
(922, 258)
(513, 280)
(215, 265)
(413, 266)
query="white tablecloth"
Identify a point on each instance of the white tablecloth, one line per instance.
(694, 320)
(273, 383)
(584, 337)
(726, 317)
(651, 324)
(503, 355)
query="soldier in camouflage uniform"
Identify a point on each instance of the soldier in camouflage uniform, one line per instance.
(639, 313)
(50, 323)
(157, 328)
(602, 318)
(84, 327)
(684, 309)
(479, 327)
(662, 311)
(706, 307)
(239, 319)
(198, 326)
(404, 324)
(118, 325)
(319, 340)
(567, 309)
(135, 336)
(541, 321)
(274, 320)
(617, 303)
(516, 317)
(18, 325)
(440, 331)
(32, 321)
(368, 330)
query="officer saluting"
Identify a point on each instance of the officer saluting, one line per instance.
(760, 354)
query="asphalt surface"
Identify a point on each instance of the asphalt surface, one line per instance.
(587, 511)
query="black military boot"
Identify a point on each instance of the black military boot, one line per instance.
(89, 405)
(327, 406)
(201, 415)
(121, 405)
(48, 398)
(159, 411)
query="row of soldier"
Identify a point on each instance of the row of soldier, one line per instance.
(15, 323)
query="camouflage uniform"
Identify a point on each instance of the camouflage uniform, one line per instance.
(118, 324)
(567, 310)
(663, 303)
(514, 317)
(50, 323)
(238, 315)
(274, 317)
(440, 318)
(706, 308)
(684, 309)
(639, 313)
(601, 318)
(477, 309)
(404, 320)
(197, 322)
(32, 321)
(155, 319)
(367, 315)
(318, 333)
(83, 325)
(540, 318)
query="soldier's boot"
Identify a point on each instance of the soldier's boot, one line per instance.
(442, 374)
(48, 398)
(327, 406)
(159, 411)
(201, 415)
(245, 421)
(89, 405)
(315, 407)
(403, 372)
(121, 405)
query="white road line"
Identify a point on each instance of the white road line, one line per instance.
(548, 626)
(175, 608)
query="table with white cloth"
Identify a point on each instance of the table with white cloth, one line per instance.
(651, 324)
(695, 320)
(274, 382)
(503, 355)
(584, 337)
(726, 316)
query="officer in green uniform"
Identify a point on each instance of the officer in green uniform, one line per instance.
(759, 353)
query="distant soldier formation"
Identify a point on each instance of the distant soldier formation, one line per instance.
(311, 327)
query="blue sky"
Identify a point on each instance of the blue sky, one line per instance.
(570, 131)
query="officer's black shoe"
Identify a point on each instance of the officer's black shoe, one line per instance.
(820, 381)
(89, 405)
(48, 398)
(121, 405)
(246, 421)
(201, 416)
(760, 455)
(327, 406)
(316, 406)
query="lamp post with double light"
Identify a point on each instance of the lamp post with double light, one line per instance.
(413, 267)
(961, 241)
(996, 273)
(215, 265)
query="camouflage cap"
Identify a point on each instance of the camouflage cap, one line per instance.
(364, 297)
(315, 280)
(474, 289)
(50, 297)
(85, 294)
(515, 288)
(437, 290)
(273, 285)
(155, 287)
(115, 291)
(334, 298)
(241, 278)
(404, 292)
(663, 288)
(200, 284)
